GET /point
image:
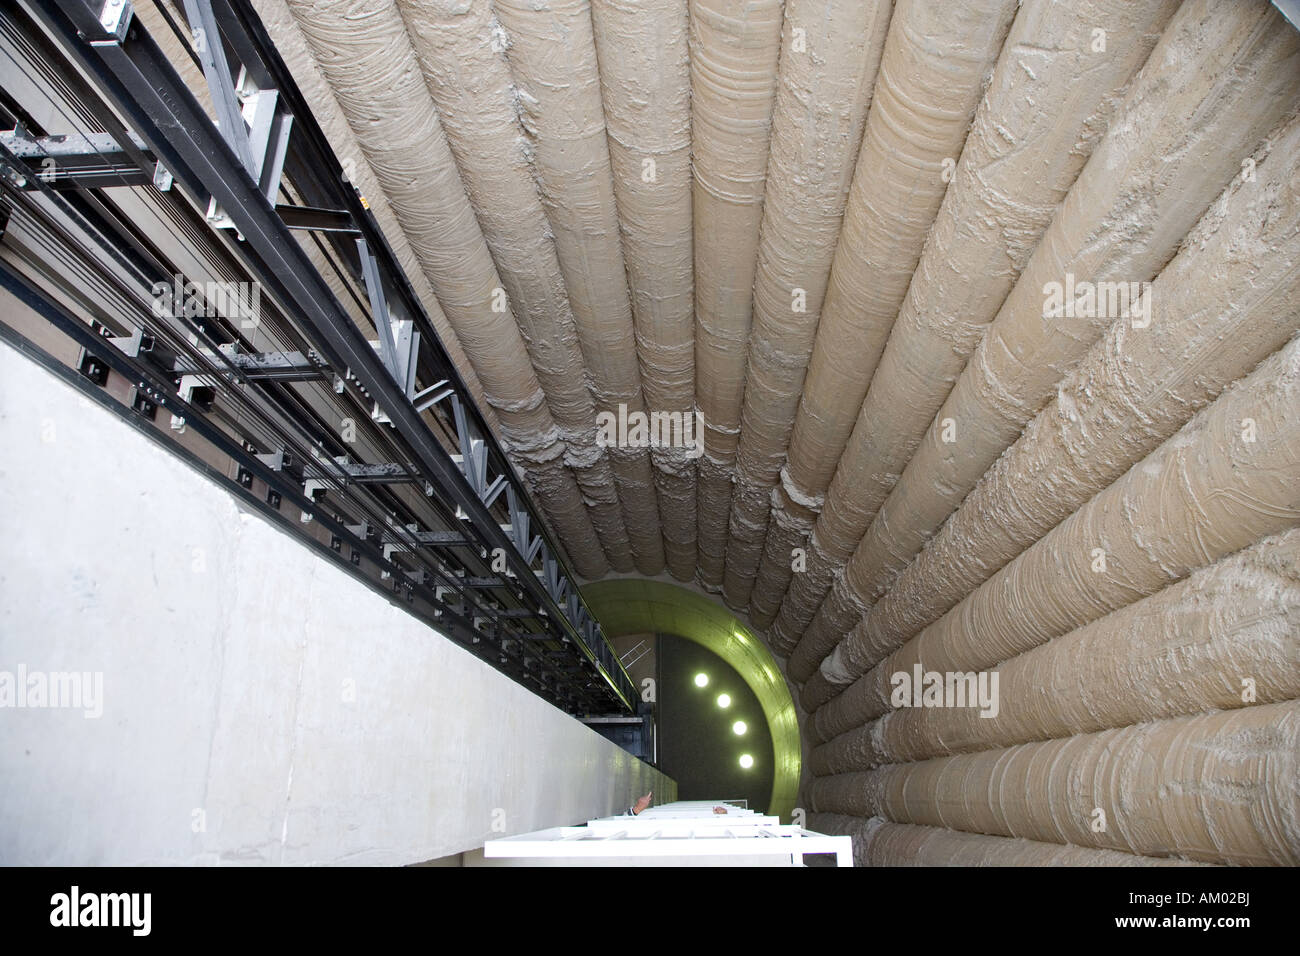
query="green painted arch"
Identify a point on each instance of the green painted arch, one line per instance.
(630, 606)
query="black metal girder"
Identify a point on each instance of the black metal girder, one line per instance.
(142, 85)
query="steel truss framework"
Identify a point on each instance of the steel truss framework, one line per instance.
(375, 442)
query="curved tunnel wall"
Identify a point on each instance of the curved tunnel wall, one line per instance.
(631, 605)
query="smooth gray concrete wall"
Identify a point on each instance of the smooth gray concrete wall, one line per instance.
(259, 705)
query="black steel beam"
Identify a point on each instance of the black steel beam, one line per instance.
(142, 84)
(457, 625)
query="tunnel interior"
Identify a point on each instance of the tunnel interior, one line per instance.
(932, 364)
(635, 606)
(713, 739)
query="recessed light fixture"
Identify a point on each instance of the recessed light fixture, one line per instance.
(746, 761)
(701, 680)
(724, 700)
(739, 728)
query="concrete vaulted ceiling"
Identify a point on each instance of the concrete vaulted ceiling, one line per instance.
(837, 230)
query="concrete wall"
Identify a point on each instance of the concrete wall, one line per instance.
(259, 705)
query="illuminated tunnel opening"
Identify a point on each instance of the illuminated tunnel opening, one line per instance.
(632, 606)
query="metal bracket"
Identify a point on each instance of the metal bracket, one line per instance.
(316, 219)
(556, 584)
(393, 543)
(399, 343)
(435, 393)
(268, 132)
(115, 20)
(212, 55)
(162, 179)
(249, 118)
(275, 366)
(77, 161)
(348, 472)
(473, 458)
(518, 529)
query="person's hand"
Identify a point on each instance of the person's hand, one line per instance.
(643, 802)
(719, 809)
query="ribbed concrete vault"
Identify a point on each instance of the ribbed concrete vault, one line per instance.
(836, 230)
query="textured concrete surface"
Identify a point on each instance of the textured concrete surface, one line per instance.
(259, 705)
